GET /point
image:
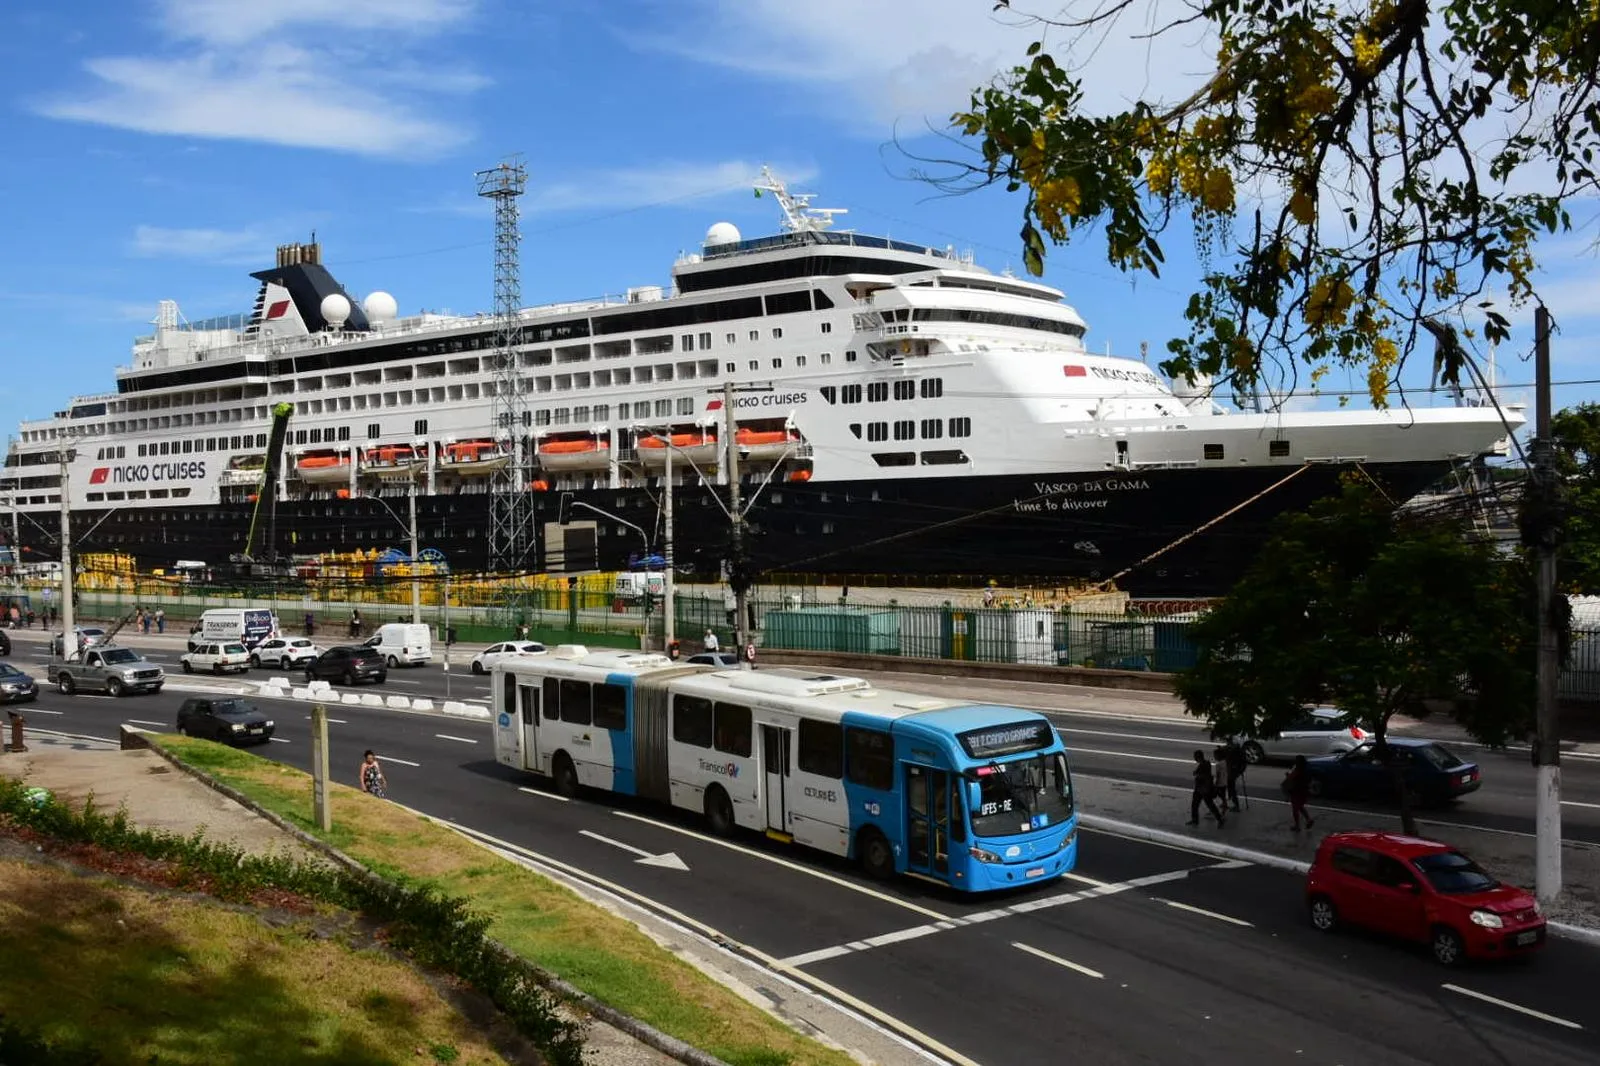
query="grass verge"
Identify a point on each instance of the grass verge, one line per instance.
(122, 972)
(603, 955)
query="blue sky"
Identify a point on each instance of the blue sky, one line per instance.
(162, 148)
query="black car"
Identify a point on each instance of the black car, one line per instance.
(5, 643)
(1429, 772)
(348, 663)
(16, 686)
(228, 720)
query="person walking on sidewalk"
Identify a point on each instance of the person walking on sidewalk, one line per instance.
(1204, 790)
(1297, 785)
(1233, 755)
(161, 619)
(372, 779)
(1219, 775)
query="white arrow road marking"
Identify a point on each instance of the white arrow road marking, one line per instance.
(670, 860)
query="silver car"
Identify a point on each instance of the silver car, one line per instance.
(1321, 731)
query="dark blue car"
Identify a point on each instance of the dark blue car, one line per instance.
(1430, 773)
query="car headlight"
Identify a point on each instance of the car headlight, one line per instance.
(983, 855)
(237, 727)
(268, 723)
(1487, 919)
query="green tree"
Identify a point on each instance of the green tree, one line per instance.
(1577, 439)
(1377, 613)
(1391, 162)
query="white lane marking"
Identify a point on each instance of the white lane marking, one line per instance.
(1058, 960)
(458, 740)
(40, 710)
(476, 699)
(142, 721)
(1529, 1011)
(1575, 803)
(402, 762)
(797, 867)
(1191, 741)
(402, 681)
(335, 721)
(668, 860)
(544, 795)
(820, 955)
(1204, 912)
(280, 740)
(1075, 750)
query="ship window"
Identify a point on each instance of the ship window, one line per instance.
(686, 405)
(541, 417)
(420, 426)
(732, 367)
(663, 409)
(1213, 451)
(960, 427)
(344, 432)
(261, 440)
(527, 419)
(95, 497)
(877, 431)
(602, 412)
(895, 458)
(784, 303)
(114, 495)
(705, 341)
(755, 334)
(373, 431)
(688, 342)
(877, 391)
(141, 451)
(932, 428)
(732, 338)
(905, 390)
(777, 333)
(316, 436)
(563, 415)
(932, 388)
(850, 394)
(165, 447)
(849, 356)
(580, 414)
(827, 327)
(799, 360)
(827, 357)
(136, 494)
(236, 441)
(906, 429)
(1277, 448)
(755, 364)
(830, 393)
(641, 409)
(944, 458)
(777, 364)
(855, 428)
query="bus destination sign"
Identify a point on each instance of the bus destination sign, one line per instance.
(1008, 739)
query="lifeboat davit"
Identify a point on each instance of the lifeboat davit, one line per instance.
(323, 468)
(244, 470)
(574, 453)
(763, 444)
(393, 458)
(471, 458)
(698, 448)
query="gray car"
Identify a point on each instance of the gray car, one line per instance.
(1320, 731)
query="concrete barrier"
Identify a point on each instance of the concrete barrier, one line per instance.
(465, 710)
(398, 703)
(351, 698)
(421, 705)
(278, 682)
(302, 694)
(371, 699)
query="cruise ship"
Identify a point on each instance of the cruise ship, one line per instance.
(898, 410)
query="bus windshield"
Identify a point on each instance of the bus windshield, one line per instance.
(1022, 795)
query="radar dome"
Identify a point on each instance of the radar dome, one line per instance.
(722, 233)
(335, 309)
(380, 307)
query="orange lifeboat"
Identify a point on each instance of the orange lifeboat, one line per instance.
(766, 444)
(574, 453)
(679, 440)
(473, 457)
(323, 468)
(697, 447)
(799, 475)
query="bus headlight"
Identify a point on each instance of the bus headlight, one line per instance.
(983, 856)
(1071, 839)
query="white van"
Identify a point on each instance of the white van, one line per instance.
(233, 625)
(403, 643)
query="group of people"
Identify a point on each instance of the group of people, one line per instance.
(1220, 777)
(144, 619)
(19, 617)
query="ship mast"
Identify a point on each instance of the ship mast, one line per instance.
(798, 214)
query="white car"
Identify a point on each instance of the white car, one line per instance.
(217, 658)
(286, 653)
(484, 661)
(1320, 731)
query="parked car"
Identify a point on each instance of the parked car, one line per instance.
(88, 636)
(229, 720)
(286, 653)
(1430, 773)
(484, 661)
(217, 658)
(16, 686)
(722, 660)
(117, 671)
(1423, 891)
(1320, 731)
(348, 663)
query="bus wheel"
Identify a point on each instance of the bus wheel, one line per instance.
(719, 811)
(877, 858)
(566, 775)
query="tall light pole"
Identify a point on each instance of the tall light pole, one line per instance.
(416, 577)
(1547, 736)
(69, 638)
(737, 573)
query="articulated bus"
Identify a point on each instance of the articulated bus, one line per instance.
(972, 796)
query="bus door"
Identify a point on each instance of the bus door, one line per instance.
(528, 704)
(927, 820)
(508, 725)
(775, 763)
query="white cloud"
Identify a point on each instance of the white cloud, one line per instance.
(157, 242)
(342, 81)
(648, 186)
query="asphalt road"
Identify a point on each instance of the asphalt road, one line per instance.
(1149, 955)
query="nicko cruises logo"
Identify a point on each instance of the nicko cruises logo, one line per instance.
(138, 473)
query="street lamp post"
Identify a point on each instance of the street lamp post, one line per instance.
(669, 627)
(69, 638)
(416, 576)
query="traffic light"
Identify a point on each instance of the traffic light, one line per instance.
(564, 509)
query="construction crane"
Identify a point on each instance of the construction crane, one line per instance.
(268, 492)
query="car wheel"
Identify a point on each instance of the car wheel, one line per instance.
(394, 663)
(1253, 753)
(255, 661)
(1324, 915)
(115, 687)
(65, 683)
(311, 675)
(477, 667)
(1315, 786)
(188, 668)
(566, 776)
(1448, 950)
(719, 812)
(877, 857)
(216, 668)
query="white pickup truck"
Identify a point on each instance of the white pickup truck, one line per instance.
(115, 671)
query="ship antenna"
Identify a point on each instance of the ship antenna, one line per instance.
(798, 214)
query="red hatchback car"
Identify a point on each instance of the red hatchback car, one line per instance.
(1420, 890)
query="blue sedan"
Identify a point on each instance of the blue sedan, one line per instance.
(1429, 773)
(16, 686)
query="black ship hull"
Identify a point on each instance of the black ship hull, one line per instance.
(1047, 527)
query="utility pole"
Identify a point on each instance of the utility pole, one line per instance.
(416, 577)
(669, 627)
(319, 768)
(1547, 737)
(737, 572)
(69, 638)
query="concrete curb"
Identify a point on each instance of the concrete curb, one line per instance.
(1564, 930)
(646, 1034)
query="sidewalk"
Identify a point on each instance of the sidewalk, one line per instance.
(1264, 827)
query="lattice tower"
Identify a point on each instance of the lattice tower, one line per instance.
(511, 527)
